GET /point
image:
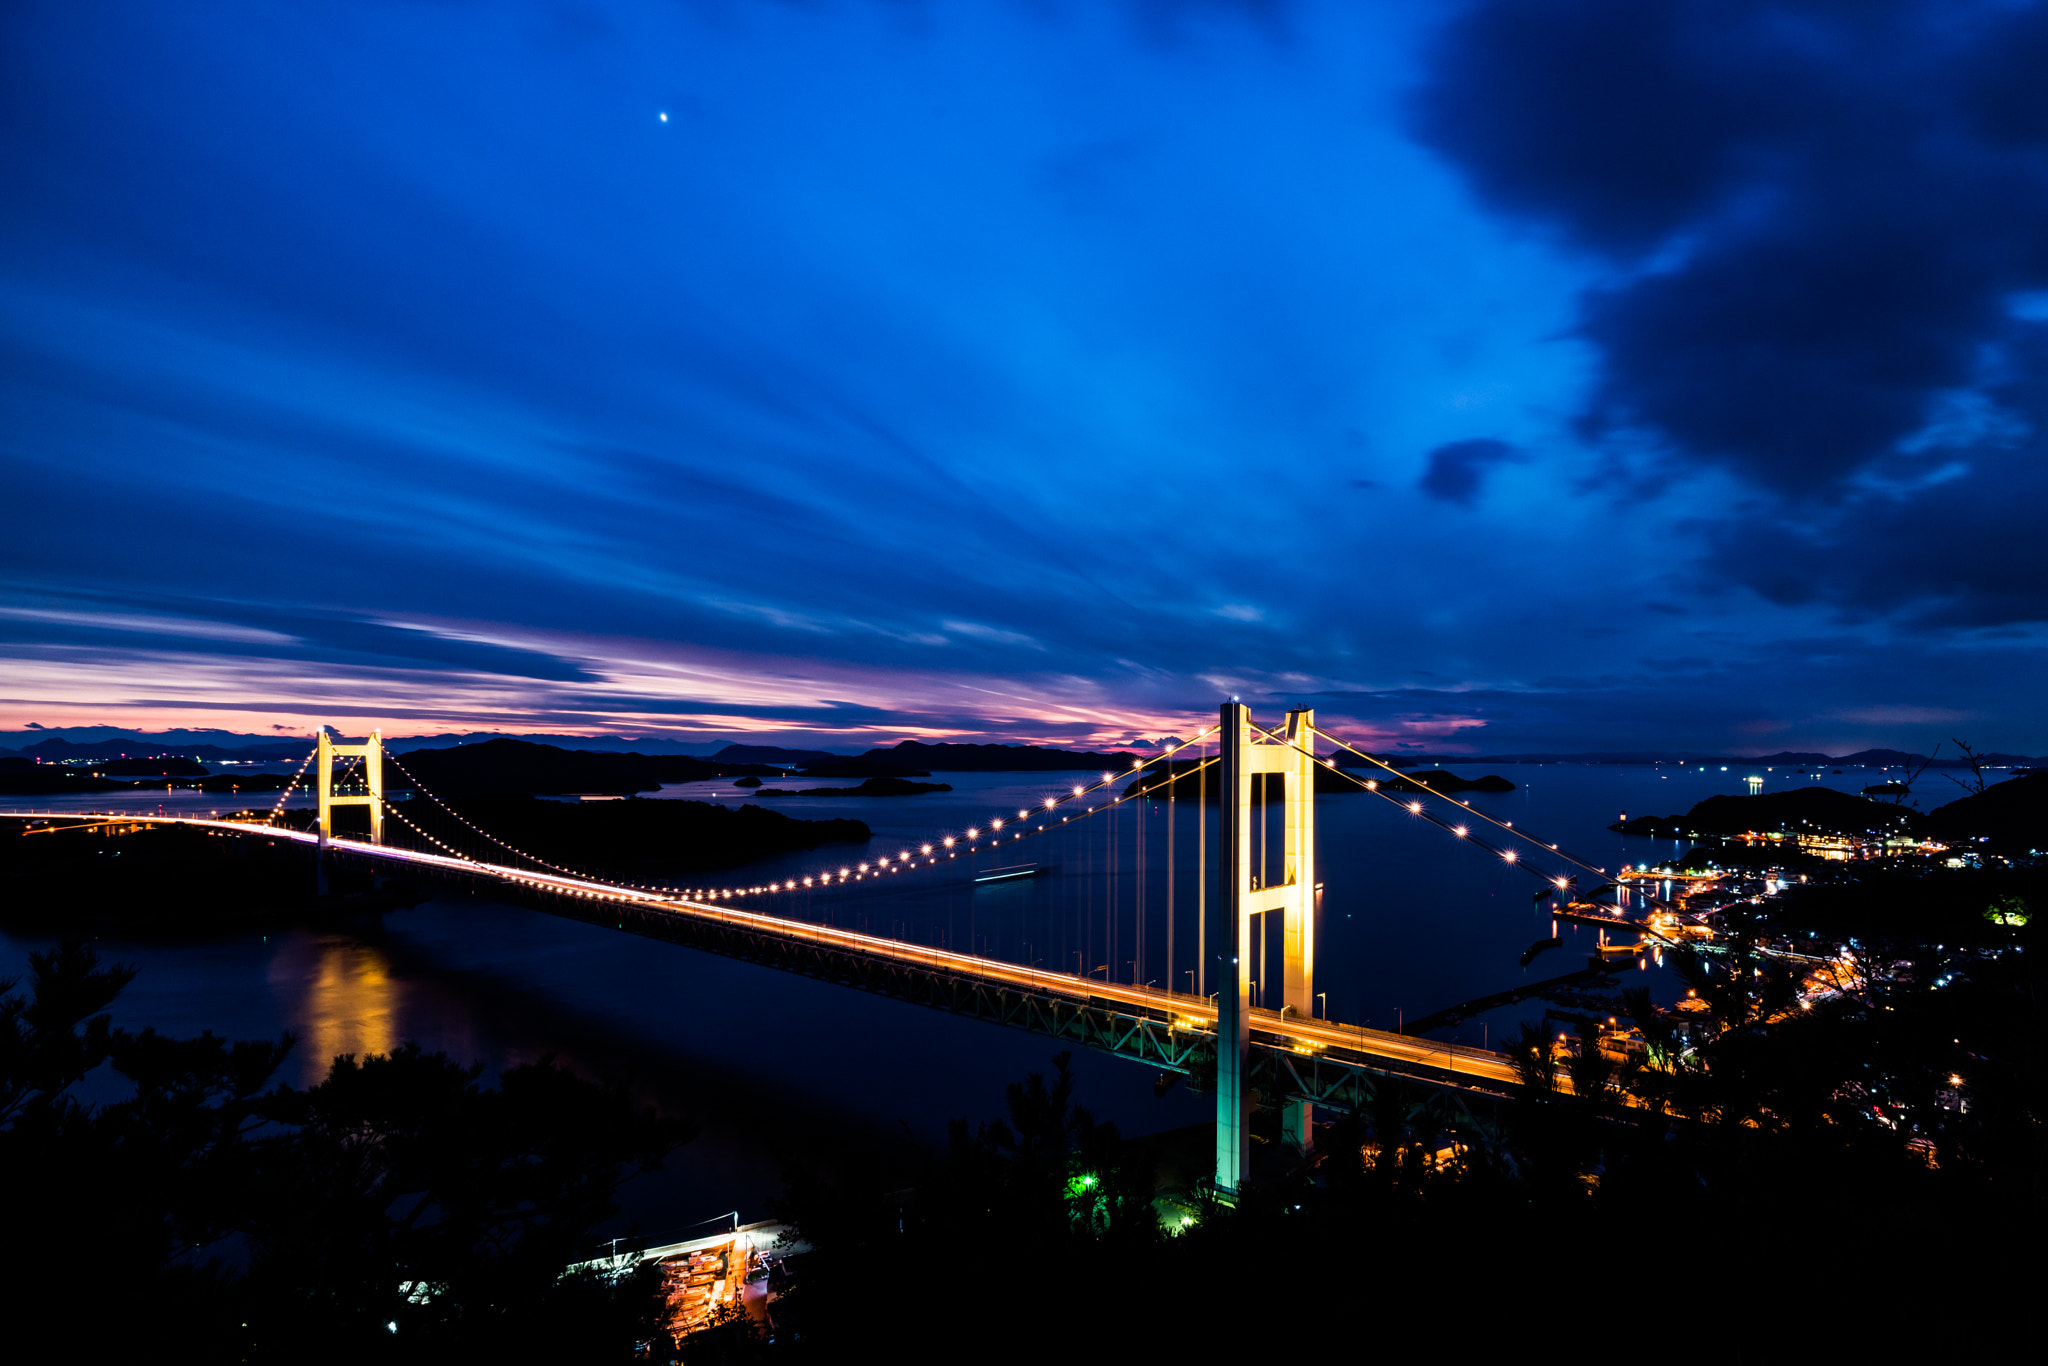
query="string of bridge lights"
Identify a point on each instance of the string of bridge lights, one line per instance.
(945, 848)
(933, 854)
(277, 809)
(1000, 831)
(449, 849)
(391, 808)
(418, 786)
(1416, 808)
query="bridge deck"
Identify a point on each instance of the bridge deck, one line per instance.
(1316, 1060)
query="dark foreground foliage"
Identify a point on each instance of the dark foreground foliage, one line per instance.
(1769, 1174)
(397, 1211)
(1782, 1171)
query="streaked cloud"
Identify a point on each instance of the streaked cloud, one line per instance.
(890, 390)
(1903, 716)
(137, 623)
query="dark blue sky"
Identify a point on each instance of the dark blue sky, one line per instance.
(1533, 374)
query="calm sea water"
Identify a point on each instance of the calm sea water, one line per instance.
(1413, 920)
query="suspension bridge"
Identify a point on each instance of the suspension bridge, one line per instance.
(1246, 1032)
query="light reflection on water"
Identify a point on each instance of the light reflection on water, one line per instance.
(341, 997)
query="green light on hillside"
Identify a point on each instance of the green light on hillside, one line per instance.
(2009, 910)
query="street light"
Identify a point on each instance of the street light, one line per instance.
(1324, 1009)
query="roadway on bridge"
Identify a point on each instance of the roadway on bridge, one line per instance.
(1192, 1012)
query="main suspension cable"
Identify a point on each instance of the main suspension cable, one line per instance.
(1463, 806)
(277, 807)
(421, 788)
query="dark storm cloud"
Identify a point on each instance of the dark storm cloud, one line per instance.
(1816, 692)
(1457, 470)
(1822, 215)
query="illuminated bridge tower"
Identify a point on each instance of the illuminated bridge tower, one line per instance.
(371, 752)
(1286, 885)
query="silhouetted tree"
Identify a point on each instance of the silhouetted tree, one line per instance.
(412, 1202)
(151, 1183)
(398, 1210)
(1976, 782)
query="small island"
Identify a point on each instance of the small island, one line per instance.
(873, 787)
(1802, 811)
(1442, 780)
(863, 768)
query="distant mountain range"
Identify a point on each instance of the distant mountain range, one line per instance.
(60, 750)
(220, 746)
(775, 754)
(946, 758)
(506, 766)
(1862, 758)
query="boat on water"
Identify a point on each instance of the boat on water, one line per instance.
(1015, 870)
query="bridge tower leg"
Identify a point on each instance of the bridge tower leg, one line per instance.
(1234, 994)
(1247, 891)
(373, 776)
(1298, 915)
(323, 789)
